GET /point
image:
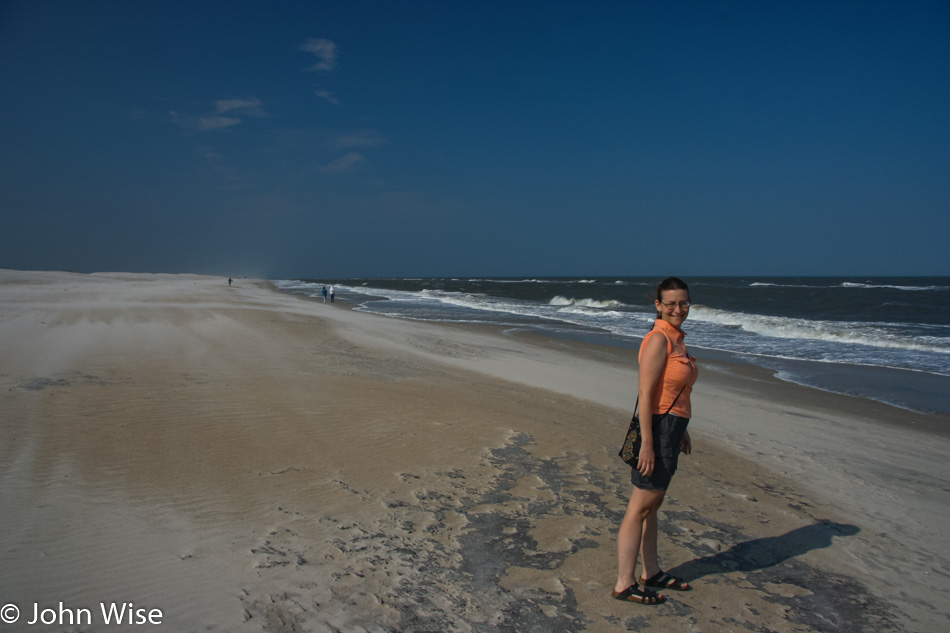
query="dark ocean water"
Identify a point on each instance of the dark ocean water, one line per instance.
(883, 338)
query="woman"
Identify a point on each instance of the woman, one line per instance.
(667, 374)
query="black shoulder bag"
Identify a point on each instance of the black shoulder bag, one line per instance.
(630, 451)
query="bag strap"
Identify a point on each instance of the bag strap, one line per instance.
(675, 399)
(668, 410)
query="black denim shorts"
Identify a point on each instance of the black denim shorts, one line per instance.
(667, 433)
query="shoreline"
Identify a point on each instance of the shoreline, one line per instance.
(746, 378)
(905, 388)
(310, 467)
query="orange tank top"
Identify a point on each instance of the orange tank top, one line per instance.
(679, 373)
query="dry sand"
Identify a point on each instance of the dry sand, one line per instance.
(246, 460)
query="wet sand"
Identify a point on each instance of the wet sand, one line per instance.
(247, 460)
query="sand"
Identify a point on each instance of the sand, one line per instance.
(241, 459)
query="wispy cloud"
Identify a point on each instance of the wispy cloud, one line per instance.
(324, 50)
(228, 113)
(214, 122)
(327, 96)
(247, 107)
(341, 164)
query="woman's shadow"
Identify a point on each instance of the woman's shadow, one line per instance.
(766, 552)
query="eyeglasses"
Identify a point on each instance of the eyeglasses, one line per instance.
(683, 305)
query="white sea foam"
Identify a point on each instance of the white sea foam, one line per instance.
(598, 312)
(849, 284)
(765, 284)
(816, 348)
(916, 346)
(521, 281)
(885, 335)
(585, 303)
(536, 281)
(293, 284)
(845, 284)
(611, 316)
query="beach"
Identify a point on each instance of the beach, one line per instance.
(241, 459)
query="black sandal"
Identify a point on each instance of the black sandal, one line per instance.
(663, 580)
(633, 593)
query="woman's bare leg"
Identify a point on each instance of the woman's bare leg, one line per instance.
(651, 564)
(643, 504)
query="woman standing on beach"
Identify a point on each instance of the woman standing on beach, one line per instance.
(667, 374)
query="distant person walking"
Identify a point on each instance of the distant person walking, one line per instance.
(332, 294)
(667, 373)
(229, 281)
(324, 294)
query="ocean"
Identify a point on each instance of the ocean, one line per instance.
(882, 338)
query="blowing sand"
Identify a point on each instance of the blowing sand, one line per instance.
(246, 460)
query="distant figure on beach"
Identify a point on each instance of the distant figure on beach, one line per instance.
(229, 281)
(332, 294)
(667, 374)
(324, 294)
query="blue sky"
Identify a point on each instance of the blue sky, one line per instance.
(316, 139)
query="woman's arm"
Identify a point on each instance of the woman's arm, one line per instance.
(652, 362)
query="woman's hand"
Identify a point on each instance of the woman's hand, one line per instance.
(686, 444)
(647, 460)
